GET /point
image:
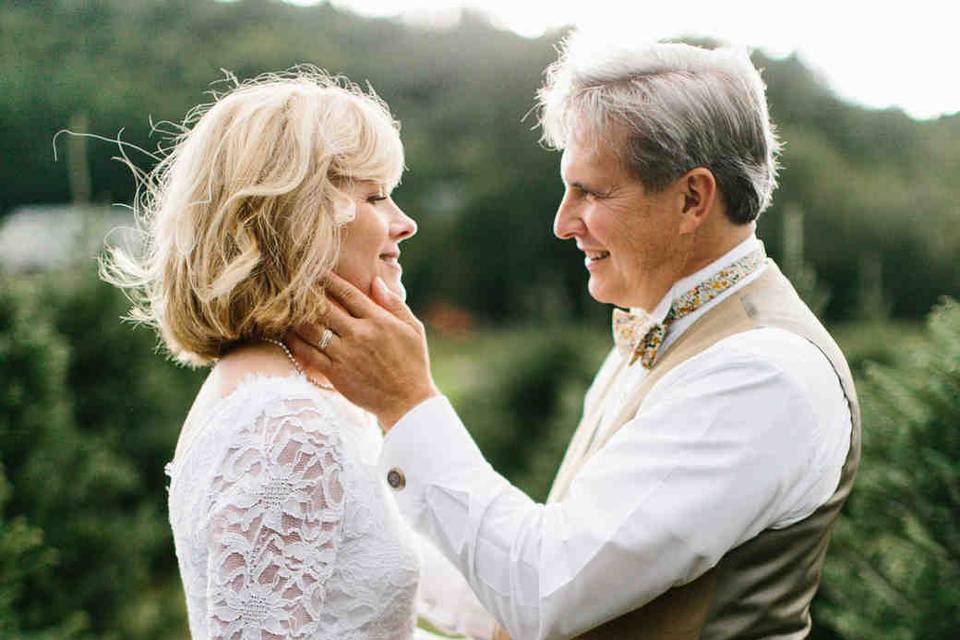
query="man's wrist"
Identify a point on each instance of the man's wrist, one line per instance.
(390, 416)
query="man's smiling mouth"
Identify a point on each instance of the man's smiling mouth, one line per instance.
(595, 256)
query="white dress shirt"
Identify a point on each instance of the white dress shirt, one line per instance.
(750, 434)
(634, 375)
(446, 600)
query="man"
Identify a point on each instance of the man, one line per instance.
(721, 436)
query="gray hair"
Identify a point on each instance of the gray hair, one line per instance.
(684, 106)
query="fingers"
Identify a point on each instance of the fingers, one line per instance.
(337, 320)
(352, 299)
(392, 302)
(318, 337)
(305, 350)
(308, 333)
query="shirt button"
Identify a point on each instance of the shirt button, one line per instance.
(396, 479)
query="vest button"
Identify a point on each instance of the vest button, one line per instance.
(396, 479)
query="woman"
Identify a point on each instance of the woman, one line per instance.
(282, 525)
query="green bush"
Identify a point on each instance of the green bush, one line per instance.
(893, 571)
(36, 435)
(878, 342)
(88, 417)
(526, 399)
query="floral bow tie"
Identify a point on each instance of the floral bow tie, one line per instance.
(639, 336)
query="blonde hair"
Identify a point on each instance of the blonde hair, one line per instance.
(241, 218)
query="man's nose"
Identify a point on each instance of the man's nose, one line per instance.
(567, 222)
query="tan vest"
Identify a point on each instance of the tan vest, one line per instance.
(763, 588)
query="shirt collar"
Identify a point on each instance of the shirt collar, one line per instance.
(683, 285)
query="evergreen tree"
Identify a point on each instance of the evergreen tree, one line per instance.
(82, 447)
(34, 424)
(894, 568)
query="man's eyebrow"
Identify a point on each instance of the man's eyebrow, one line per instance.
(588, 189)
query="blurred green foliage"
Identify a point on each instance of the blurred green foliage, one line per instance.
(34, 421)
(87, 419)
(873, 186)
(89, 413)
(894, 567)
(521, 393)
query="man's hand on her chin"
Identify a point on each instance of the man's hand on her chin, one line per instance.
(377, 355)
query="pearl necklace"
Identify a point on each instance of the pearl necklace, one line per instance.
(296, 365)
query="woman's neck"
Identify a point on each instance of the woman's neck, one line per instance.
(262, 357)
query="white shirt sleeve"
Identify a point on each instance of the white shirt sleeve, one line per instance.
(445, 598)
(724, 446)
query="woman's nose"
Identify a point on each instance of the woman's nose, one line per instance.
(404, 226)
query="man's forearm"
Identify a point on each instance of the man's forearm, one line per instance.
(501, 540)
(692, 476)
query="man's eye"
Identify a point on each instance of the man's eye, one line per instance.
(588, 194)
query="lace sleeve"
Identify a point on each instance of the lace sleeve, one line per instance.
(274, 525)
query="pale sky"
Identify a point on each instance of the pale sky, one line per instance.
(877, 54)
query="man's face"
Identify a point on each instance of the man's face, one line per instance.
(630, 238)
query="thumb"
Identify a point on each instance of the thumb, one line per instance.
(391, 301)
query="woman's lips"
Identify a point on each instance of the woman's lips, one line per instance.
(392, 260)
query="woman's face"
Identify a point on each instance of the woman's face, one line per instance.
(370, 245)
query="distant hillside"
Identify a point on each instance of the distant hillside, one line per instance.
(876, 187)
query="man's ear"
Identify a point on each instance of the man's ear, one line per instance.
(698, 190)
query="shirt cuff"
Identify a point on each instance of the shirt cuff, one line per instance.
(429, 447)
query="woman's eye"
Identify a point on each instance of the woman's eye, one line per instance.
(376, 199)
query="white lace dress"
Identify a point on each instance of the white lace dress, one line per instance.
(283, 527)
